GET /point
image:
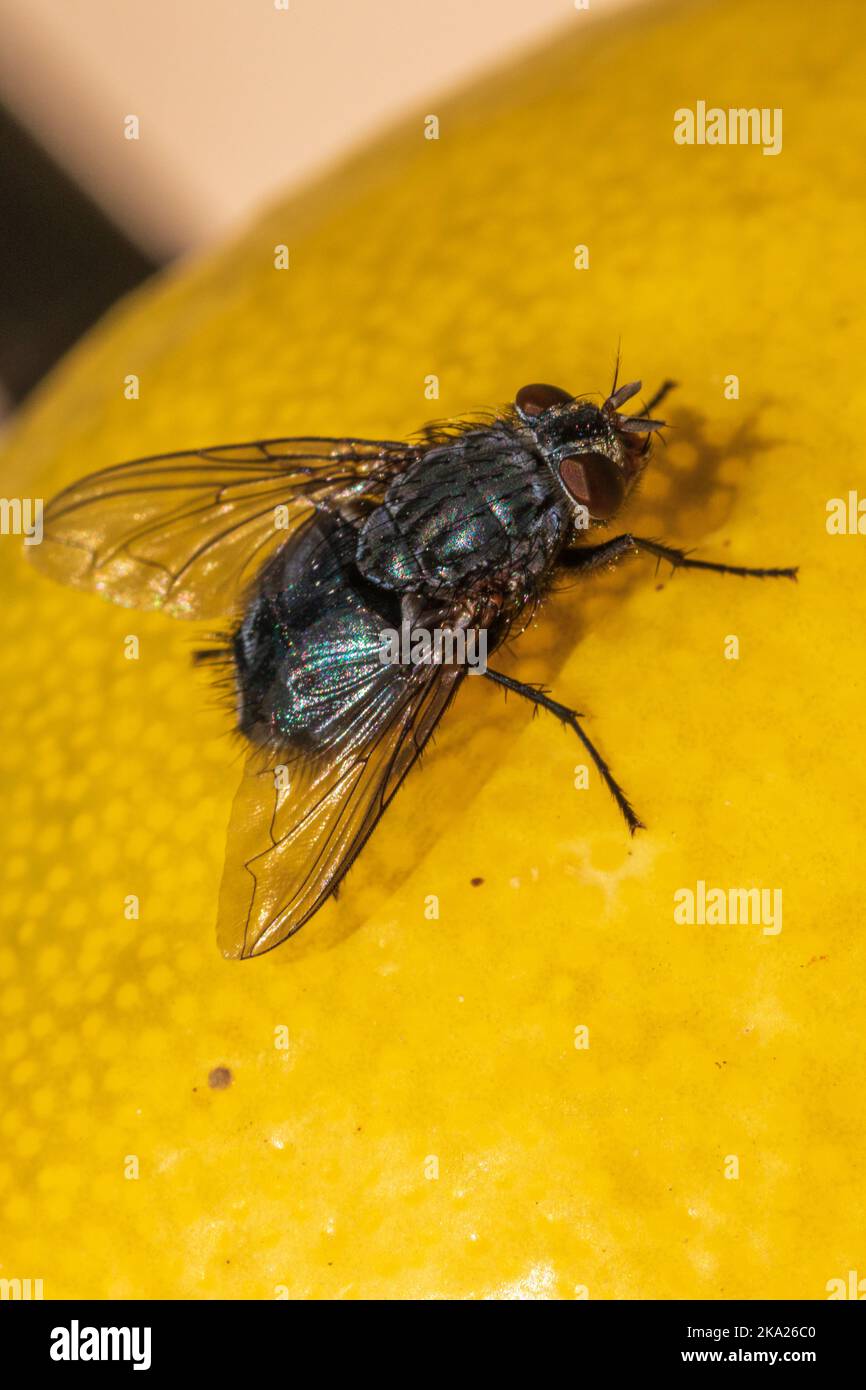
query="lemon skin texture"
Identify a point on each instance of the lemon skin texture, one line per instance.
(539, 1085)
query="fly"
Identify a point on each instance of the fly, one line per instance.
(316, 548)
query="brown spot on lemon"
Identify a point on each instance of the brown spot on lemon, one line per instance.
(219, 1078)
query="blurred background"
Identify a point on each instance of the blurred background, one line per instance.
(237, 101)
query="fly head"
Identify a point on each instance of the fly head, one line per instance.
(596, 453)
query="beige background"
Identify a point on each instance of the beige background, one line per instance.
(239, 101)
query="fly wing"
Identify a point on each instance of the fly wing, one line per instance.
(297, 825)
(186, 532)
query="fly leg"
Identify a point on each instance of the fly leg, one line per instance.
(570, 718)
(594, 557)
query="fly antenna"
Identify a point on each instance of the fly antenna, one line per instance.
(616, 365)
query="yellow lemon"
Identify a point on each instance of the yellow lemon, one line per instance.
(504, 1063)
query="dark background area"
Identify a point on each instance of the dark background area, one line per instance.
(62, 261)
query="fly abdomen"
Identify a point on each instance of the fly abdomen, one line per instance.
(308, 646)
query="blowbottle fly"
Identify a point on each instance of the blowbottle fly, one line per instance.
(315, 547)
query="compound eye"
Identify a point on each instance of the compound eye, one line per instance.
(532, 400)
(595, 482)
